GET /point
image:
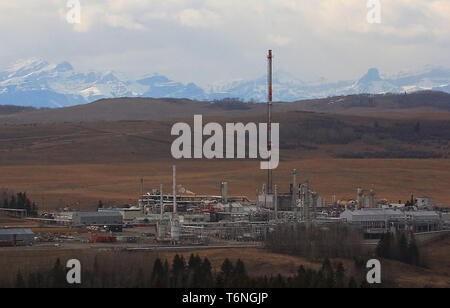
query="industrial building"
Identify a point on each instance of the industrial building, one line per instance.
(424, 221)
(375, 222)
(16, 237)
(128, 214)
(106, 218)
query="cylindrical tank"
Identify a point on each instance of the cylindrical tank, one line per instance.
(175, 230)
(162, 229)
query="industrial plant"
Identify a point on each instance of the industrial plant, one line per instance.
(181, 218)
(177, 217)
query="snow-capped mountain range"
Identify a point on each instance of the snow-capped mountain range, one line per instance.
(37, 83)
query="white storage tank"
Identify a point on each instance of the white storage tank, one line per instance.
(175, 230)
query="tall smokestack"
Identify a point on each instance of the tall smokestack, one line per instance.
(161, 200)
(276, 203)
(269, 120)
(294, 191)
(175, 189)
(224, 192)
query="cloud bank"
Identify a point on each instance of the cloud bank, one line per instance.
(209, 40)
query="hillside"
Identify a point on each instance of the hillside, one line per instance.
(76, 156)
(131, 109)
(10, 109)
(302, 134)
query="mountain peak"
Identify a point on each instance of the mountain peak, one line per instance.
(25, 67)
(372, 75)
(64, 67)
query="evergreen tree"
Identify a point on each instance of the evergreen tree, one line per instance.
(239, 269)
(58, 275)
(226, 273)
(413, 252)
(383, 249)
(178, 271)
(300, 280)
(194, 262)
(206, 274)
(158, 275)
(403, 249)
(328, 273)
(279, 282)
(239, 276)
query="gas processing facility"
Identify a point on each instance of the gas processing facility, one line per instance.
(178, 217)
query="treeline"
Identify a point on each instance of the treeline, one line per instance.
(334, 241)
(326, 129)
(401, 247)
(230, 104)
(19, 201)
(407, 154)
(195, 273)
(11, 109)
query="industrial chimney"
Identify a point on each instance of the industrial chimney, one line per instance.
(224, 192)
(161, 200)
(269, 117)
(174, 190)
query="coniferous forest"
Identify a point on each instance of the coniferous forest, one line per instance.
(193, 273)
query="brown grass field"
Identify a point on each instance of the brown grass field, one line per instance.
(80, 186)
(259, 262)
(78, 163)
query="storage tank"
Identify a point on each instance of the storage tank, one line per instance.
(162, 230)
(175, 230)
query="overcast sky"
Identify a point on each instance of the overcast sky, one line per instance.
(212, 40)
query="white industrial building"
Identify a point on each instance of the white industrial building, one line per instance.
(371, 217)
(376, 221)
(128, 214)
(424, 221)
